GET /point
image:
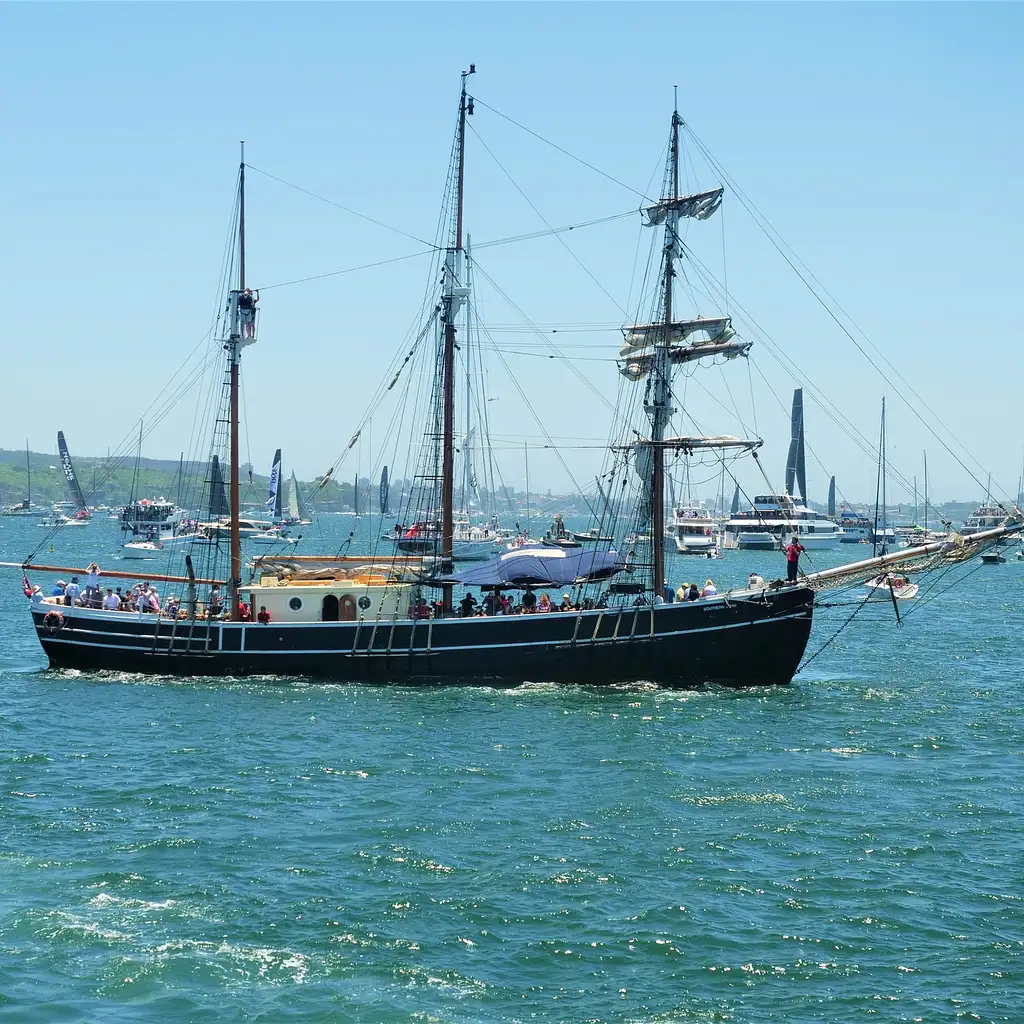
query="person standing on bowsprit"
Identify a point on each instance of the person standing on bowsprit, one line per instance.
(793, 553)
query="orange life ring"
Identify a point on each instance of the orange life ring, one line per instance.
(53, 622)
(346, 608)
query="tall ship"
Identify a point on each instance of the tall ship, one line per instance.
(386, 617)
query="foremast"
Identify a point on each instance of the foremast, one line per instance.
(651, 350)
(454, 294)
(660, 407)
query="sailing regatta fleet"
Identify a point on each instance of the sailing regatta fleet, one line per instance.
(390, 614)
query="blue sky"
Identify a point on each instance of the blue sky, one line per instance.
(882, 141)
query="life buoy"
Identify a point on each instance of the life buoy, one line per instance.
(346, 608)
(53, 621)
(707, 531)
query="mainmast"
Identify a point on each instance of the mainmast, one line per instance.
(453, 297)
(660, 409)
(234, 347)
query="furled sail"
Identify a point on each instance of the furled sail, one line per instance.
(697, 443)
(700, 205)
(355, 494)
(69, 474)
(832, 496)
(637, 364)
(384, 510)
(643, 335)
(274, 501)
(796, 472)
(735, 501)
(218, 495)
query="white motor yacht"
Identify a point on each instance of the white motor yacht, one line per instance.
(774, 519)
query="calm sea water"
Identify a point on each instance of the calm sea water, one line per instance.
(847, 848)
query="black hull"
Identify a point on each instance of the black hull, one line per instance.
(752, 641)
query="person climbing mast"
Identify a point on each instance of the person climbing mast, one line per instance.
(247, 307)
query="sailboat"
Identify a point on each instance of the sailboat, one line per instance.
(76, 506)
(368, 618)
(23, 507)
(277, 532)
(294, 502)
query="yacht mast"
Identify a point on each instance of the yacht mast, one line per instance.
(234, 357)
(660, 409)
(453, 297)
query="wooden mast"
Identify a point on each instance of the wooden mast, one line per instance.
(234, 353)
(452, 265)
(661, 411)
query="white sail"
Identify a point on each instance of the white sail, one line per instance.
(700, 205)
(293, 498)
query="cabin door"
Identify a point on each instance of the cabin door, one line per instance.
(329, 611)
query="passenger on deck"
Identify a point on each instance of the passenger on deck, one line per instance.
(545, 603)
(682, 591)
(92, 582)
(37, 599)
(215, 605)
(58, 589)
(263, 618)
(693, 594)
(755, 581)
(710, 590)
(566, 605)
(529, 601)
(422, 609)
(111, 602)
(72, 592)
(244, 614)
(468, 606)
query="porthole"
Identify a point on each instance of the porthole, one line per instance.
(364, 602)
(295, 603)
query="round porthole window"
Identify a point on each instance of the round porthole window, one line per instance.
(364, 602)
(295, 603)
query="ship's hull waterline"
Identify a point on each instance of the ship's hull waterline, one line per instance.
(754, 640)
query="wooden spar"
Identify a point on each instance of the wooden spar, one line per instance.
(897, 557)
(264, 560)
(234, 344)
(114, 574)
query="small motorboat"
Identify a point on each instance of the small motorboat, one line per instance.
(994, 557)
(142, 549)
(889, 585)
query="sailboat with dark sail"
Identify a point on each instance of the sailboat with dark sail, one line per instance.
(23, 507)
(391, 618)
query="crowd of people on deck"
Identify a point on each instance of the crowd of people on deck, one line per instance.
(495, 602)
